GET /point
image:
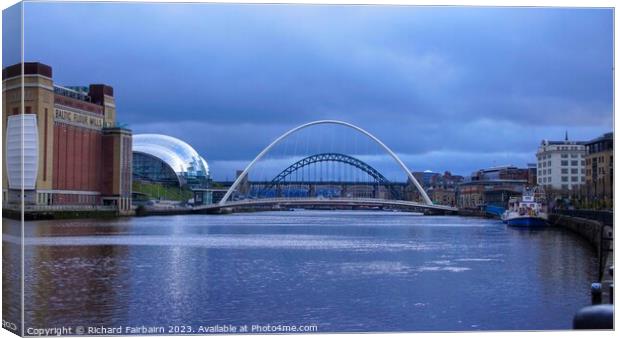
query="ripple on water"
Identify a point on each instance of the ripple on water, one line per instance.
(305, 242)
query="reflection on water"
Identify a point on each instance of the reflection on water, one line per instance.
(343, 271)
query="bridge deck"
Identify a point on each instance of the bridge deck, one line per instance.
(325, 202)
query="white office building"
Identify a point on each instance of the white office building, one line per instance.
(561, 164)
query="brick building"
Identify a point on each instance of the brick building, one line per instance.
(66, 139)
(599, 168)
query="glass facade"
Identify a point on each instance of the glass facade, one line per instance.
(168, 160)
(151, 169)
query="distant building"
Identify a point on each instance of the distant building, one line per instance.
(74, 154)
(442, 188)
(425, 177)
(507, 172)
(167, 160)
(599, 169)
(492, 186)
(561, 164)
(446, 181)
(443, 196)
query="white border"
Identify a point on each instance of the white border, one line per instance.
(505, 3)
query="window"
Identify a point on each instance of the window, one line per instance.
(574, 163)
(539, 180)
(583, 162)
(564, 171)
(549, 163)
(573, 155)
(549, 171)
(564, 163)
(565, 186)
(564, 155)
(564, 178)
(574, 179)
(545, 172)
(574, 171)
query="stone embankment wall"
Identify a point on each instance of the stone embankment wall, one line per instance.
(590, 230)
(601, 238)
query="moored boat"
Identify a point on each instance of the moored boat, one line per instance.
(525, 212)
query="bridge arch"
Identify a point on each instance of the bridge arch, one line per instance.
(243, 174)
(333, 157)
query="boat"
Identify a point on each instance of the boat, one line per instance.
(525, 212)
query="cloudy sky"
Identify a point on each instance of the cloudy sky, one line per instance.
(457, 88)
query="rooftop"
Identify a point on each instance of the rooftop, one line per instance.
(606, 136)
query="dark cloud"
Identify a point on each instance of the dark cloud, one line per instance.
(428, 81)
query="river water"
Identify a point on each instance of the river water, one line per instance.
(337, 271)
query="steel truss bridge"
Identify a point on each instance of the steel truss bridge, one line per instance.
(284, 178)
(281, 179)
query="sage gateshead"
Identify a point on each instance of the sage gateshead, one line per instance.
(167, 160)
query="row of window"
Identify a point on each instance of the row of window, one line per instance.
(573, 163)
(600, 159)
(548, 156)
(563, 163)
(563, 171)
(571, 155)
(599, 170)
(544, 164)
(575, 179)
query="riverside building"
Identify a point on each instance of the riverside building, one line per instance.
(167, 160)
(561, 164)
(67, 141)
(600, 168)
(493, 187)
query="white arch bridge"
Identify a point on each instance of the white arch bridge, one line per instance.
(227, 203)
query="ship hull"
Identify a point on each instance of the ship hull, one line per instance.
(527, 222)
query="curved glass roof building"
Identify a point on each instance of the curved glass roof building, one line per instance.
(168, 160)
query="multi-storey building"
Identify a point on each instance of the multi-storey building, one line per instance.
(600, 168)
(62, 145)
(492, 186)
(561, 164)
(442, 188)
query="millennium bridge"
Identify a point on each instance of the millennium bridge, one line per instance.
(309, 181)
